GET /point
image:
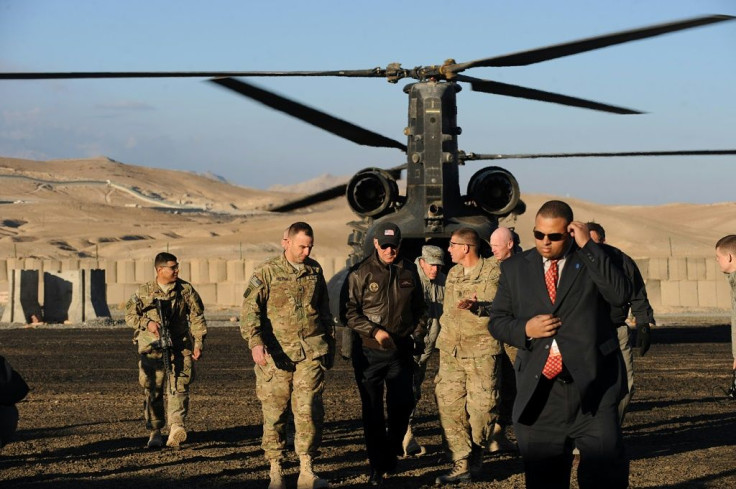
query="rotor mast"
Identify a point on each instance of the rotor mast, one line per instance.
(433, 187)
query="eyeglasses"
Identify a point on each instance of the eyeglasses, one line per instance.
(389, 245)
(552, 236)
(452, 243)
(172, 267)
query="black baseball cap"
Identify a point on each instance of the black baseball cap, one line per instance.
(387, 233)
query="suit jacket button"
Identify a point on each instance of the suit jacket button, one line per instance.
(546, 347)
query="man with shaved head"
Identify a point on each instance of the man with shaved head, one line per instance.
(502, 243)
(726, 258)
(503, 247)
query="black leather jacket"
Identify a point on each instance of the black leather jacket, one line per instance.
(388, 297)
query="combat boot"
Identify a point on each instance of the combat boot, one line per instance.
(177, 435)
(307, 478)
(499, 441)
(476, 461)
(155, 440)
(460, 473)
(276, 475)
(410, 445)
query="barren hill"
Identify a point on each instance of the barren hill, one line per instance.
(101, 208)
(168, 187)
(647, 231)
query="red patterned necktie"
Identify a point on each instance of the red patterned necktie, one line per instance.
(550, 279)
(553, 367)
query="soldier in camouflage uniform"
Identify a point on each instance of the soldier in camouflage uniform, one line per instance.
(726, 258)
(187, 327)
(429, 267)
(468, 380)
(287, 323)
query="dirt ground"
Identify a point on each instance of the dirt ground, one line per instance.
(81, 424)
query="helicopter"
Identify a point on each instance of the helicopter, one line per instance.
(432, 207)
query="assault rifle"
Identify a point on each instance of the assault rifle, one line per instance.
(731, 392)
(163, 307)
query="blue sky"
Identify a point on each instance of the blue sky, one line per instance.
(684, 81)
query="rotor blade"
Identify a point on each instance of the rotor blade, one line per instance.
(695, 152)
(371, 73)
(328, 194)
(315, 117)
(488, 86)
(316, 198)
(524, 58)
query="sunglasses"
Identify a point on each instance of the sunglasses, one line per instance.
(384, 246)
(552, 236)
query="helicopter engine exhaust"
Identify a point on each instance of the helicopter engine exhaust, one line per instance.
(371, 192)
(495, 190)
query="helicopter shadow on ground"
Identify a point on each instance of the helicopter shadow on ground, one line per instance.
(679, 435)
(416, 471)
(99, 480)
(645, 406)
(40, 433)
(703, 482)
(244, 434)
(165, 460)
(669, 335)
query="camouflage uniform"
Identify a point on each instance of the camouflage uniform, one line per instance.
(434, 295)
(508, 385)
(468, 380)
(188, 329)
(287, 311)
(732, 281)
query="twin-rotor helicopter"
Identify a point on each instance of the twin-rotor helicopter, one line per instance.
(432, 206)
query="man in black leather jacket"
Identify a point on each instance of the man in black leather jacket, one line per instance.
(385, 307)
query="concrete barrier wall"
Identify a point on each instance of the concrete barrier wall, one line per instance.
(673, 284)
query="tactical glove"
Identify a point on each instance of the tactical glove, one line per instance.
(643, 338)
(418, 347)
(328, 360)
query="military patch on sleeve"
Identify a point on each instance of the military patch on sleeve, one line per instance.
(406, 283)
(254, 284)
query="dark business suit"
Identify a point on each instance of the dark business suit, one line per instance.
(580, 405)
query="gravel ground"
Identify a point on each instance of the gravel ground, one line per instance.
(81, 424)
